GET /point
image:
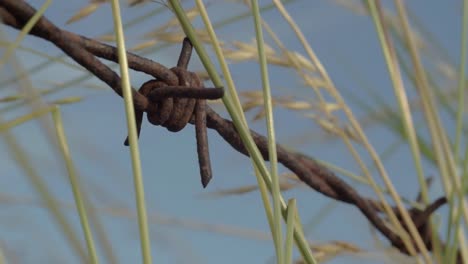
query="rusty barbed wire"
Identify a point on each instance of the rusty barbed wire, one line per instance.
(156, 94)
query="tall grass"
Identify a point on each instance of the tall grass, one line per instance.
(329, 109)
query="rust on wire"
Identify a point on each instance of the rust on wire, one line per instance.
(174, 107)
(176, 97)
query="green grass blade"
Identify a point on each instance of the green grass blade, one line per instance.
(75, 184)
(232, 92)
(132, 135)
(268, 106)
(455, 217)
(395, 76)
(290, 223)
(238, 123)
(23, 161)
(461, 79)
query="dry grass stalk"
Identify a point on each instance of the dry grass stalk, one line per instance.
(327, 251)
(86, 11)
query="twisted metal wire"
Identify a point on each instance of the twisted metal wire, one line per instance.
(168, 101)
(173, 107)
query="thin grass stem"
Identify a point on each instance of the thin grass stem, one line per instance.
(290, 223)
(132, 136)
(75, 184)
(268, 106)
(237, 120)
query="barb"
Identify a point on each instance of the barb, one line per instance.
(174, 106)
(172, 98)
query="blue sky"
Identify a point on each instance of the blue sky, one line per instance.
(347, 46)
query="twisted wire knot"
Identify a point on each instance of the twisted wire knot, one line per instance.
(174, 104)
(172, 113)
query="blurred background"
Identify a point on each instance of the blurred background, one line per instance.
(224, 223)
